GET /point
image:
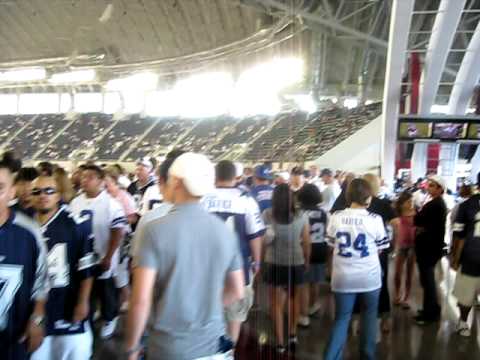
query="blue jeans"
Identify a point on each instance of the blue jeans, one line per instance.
(343, 312)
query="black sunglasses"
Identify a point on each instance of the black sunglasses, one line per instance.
(46, 191)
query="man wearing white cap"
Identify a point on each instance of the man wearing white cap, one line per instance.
(184, 263)
(429, 247)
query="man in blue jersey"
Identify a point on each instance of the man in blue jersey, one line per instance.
(70, 261)
(23, 277)
(262, 191)
(241, 212)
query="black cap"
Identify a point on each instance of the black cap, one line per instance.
(326, 172)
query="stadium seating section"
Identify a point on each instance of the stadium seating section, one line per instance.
(292, 136)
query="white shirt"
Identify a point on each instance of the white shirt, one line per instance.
(356, 236)
(329, 195)
(107, 214)
(151, 199)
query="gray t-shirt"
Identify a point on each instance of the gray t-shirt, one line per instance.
(286, 247)
(192, 252)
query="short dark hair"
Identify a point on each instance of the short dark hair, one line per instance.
(309, 196)
(10, 162)
(167, 163)
(283, 207)
(26, 174)
(45, 168)
(297, 170)
(225, 171)
(95, 168)
(358, 191)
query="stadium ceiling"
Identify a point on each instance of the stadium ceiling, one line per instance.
(344, 42)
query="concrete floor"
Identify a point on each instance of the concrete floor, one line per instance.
(405, 341)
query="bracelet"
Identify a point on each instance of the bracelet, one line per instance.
(133, 350)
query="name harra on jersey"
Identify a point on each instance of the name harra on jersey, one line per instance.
(70, 260)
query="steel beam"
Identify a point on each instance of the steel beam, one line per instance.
(400, 21)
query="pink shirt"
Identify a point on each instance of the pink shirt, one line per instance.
(406, 236)
(127, 202)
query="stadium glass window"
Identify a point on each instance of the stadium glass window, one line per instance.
(8, 104)
(161, 103)
(88, 102)
(112, 102)
(65, 103)
(134, 102)
(38, 103)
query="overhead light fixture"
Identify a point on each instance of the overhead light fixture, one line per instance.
(20, 75)
(145, 81)
(73, 77)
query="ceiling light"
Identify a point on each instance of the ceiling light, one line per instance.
(19, 75)
(73, 77)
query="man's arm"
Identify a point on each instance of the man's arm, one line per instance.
(234, 287)
(140, 305)
(83, 304)
(116, 236)
(34, 333)
(456, 252)
(256, 250)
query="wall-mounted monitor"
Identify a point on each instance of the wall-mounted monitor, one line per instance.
(450, 130)
(415, 130)
(474, 132)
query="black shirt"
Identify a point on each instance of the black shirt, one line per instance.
(467, 226)
(430, 222)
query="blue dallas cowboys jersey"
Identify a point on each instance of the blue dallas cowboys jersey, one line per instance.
(263, 195)
(23, 280)
(240, 211)
(70, 260)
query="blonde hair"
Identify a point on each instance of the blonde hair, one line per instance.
(374, 182)
(64, 185)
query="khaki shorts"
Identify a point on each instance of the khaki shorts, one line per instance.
(238, 311)
(466, 288)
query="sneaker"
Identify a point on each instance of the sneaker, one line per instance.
(315, 308)
(108, 329)
(463, 329)
(304, 321)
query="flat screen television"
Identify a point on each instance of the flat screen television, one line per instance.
(415, 130)
(449, 130)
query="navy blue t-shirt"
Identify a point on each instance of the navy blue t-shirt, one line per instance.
(467, 226)
(263, 195)
(23, 280)
(70, 261)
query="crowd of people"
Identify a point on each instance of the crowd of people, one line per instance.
(183, 246)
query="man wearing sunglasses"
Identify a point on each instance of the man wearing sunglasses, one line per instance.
(23, 276)
(70, 262)
(109, 225)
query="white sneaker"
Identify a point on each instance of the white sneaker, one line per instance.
(463, 329)
(304, 321)
(108, 329)
(315, 308)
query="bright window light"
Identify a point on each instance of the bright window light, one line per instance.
(470, 111)
(38, 103)
(350, 103)
(87, 102)
(204, 95)
(134, 102)
(65, 102)
(304, 102)
(73, 77)
(20, 75)
(439, 109)
(145, 81)
(257, 89)
(112, 102)
(162, 103)
(8, 104)
(368, 102)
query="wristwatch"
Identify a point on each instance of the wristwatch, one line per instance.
(38, 320)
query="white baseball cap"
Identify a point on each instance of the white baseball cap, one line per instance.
(439, 180)
(196, 171)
